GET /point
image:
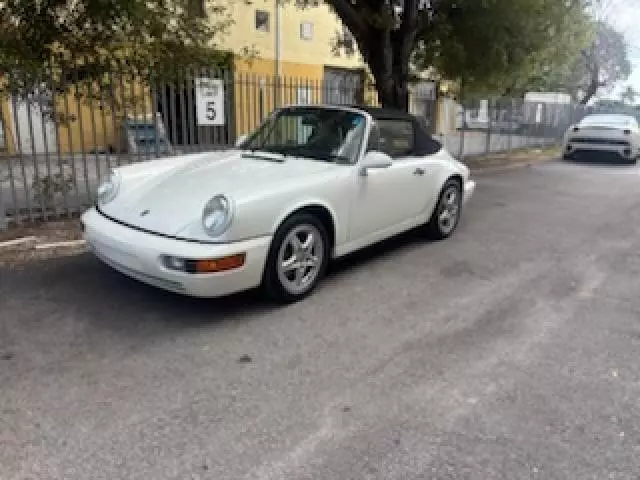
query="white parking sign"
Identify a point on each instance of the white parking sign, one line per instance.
(210, 101)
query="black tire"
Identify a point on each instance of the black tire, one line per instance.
(271, 283)
(433, 228)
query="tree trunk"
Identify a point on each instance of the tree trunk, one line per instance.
(390, 69)
(594, 81)
(393, 92)
(386, 47)
(592, 89)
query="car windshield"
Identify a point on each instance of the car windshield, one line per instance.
(326, 134)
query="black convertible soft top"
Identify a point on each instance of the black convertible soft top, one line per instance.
(424, 143)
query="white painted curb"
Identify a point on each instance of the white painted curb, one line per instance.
(19, 244)
(67, 245)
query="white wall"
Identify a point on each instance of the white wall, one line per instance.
(35, 135)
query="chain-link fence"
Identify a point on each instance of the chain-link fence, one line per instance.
(61, 137)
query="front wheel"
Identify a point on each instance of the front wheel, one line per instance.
(297, 259)
(446, 215)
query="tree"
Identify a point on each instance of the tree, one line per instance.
(473, 39)
(40, 36)
(598, 64)
(496, 47)
(603, 63)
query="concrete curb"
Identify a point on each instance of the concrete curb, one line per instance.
(510, 166)
(30, 245)
(69, 246)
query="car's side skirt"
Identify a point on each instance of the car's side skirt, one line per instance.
(380, 235)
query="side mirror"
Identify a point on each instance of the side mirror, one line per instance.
(374, 160)
(240, 140)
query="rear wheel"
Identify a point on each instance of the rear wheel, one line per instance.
(297, 259)
(446, 215)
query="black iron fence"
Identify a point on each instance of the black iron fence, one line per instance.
(60, 138)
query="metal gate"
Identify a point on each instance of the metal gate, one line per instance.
(343, 86)
(422, 102)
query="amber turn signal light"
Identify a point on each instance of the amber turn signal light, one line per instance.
(220, 264)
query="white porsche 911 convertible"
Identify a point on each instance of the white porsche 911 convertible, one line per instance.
(312, 183)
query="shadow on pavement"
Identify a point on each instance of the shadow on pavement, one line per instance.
(104, 297)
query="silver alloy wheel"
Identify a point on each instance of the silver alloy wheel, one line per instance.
(449, 209)
(300, 258)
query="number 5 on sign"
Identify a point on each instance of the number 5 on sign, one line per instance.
(210, 102)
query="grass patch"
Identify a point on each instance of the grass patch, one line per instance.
(521, 156)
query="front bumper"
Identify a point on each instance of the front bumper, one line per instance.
(138, 255)
(574, 148)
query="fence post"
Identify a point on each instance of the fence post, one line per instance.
(462, 128)
(488, 137)
(512, 125)
(262, 82)
(3, 209)
(230, 110)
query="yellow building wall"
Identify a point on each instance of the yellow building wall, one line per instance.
(82, 125)
(301, 65)
(97, 122)
(243, 35)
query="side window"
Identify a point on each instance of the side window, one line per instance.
(397, 137)
(373, 143)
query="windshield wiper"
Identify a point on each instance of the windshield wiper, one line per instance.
(324, 156)
(265, 155)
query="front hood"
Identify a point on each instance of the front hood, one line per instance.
(167, 196)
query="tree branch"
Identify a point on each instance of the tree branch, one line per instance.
(351, 16)
(408, 28)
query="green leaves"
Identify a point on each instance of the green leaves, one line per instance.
(489, 45)
(495, 46)
(37, 36)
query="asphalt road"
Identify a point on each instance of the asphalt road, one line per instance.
(510, 351)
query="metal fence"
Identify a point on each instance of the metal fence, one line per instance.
(503, 125)
(62, 137)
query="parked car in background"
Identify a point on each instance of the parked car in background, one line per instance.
(312, 183)
(604, 135)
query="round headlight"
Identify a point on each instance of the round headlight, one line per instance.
(108, 190)
(217, 215)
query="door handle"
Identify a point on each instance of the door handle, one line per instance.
(419, 171)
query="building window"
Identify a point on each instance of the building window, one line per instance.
(306, 30)
(262, 20)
